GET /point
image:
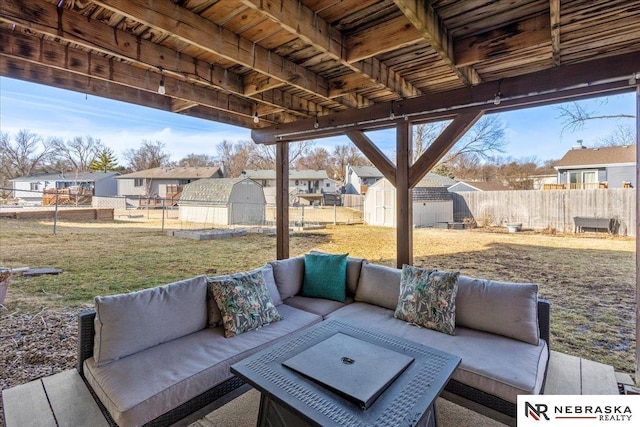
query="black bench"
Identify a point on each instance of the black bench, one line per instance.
(594, 223)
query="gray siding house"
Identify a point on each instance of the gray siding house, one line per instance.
(30, 188)
(604, 167)
(359, 178)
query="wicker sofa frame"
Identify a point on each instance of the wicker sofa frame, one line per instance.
(211, 399)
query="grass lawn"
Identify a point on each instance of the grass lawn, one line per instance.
(589, 279)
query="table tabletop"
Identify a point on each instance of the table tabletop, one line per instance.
(403, 403)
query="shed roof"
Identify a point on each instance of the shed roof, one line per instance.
(67, 177)
(481, 185)
(211, 191)
(593, 157)
(175, 173)
(367, 171)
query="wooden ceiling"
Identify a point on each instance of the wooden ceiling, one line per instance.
(294, 61)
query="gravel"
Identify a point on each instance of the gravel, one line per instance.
(36, 344)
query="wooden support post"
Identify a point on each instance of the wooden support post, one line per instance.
(637, 233)
(282, 200)
(404, 196)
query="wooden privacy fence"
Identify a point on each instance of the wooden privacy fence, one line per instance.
(537, 209)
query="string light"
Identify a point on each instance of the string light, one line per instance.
(498, 97)
(316, 125)
(392, 114)
(161, 89)
(256, 119)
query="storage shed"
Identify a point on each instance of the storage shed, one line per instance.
(432, 202)
(223, 201)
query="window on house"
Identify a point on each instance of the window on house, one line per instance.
(138, 182)
(327, 185)
(297, 182)
(34, 186)
(183, 181)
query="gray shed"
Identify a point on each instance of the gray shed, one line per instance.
(223, 201)
(432, 202)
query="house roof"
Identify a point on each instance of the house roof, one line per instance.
(481, 185)
(598, 157)
(210, 191)
(293, 174)
(174, 173)
(366, 171)
(66, 176)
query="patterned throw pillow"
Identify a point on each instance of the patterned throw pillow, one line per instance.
(244, 302)
(428, 298)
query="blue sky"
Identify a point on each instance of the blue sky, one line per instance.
(50, 112)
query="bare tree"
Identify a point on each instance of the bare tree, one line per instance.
(317, 158)
(197, 160)
(248, 155)
(150, 155)
(344, 155)
(78, 153)
(27, 154)
(484, 139)
(575, 115)
(621, 135)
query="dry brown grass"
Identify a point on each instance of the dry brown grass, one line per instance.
(589, 279)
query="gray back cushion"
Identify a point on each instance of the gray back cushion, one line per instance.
(503, 308)
(129, 323)
(289, 274)
(379, 285)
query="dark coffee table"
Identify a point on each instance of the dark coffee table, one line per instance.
(336, 395)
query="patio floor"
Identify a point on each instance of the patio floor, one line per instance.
(63, 399)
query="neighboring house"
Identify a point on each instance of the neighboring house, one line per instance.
(30, 188)
(432, 202)
(605, 167)
(304, 185)
(359, 178)
(161, 183)
(477, 186)
(223, 201)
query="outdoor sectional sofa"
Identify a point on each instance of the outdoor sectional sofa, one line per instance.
(154, 356)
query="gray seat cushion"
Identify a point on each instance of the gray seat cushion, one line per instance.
(319, 306)
(495, 364)
(145, 385)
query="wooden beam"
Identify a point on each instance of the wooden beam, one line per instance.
(424, 17)
(298, 19)
(179, 105)
(189, 27)
(442, 144)
(63, 24)
(373, 153)
(503, 41)
(554, 17)
(637, 226)
(27, 71)
(53, 54)
(72, 27)
(282, 201)
(543, 87)
(404, 195)
(385, 37)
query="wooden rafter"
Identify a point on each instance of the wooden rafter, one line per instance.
(51, 54)
(189, 27)
(528, 33)
(71, 27)
(546, 86)
(426, 20)
(302, 21)
(382, 38)
(554, 13)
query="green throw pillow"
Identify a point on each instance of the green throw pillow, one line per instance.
(325, 276)
(428, 298)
